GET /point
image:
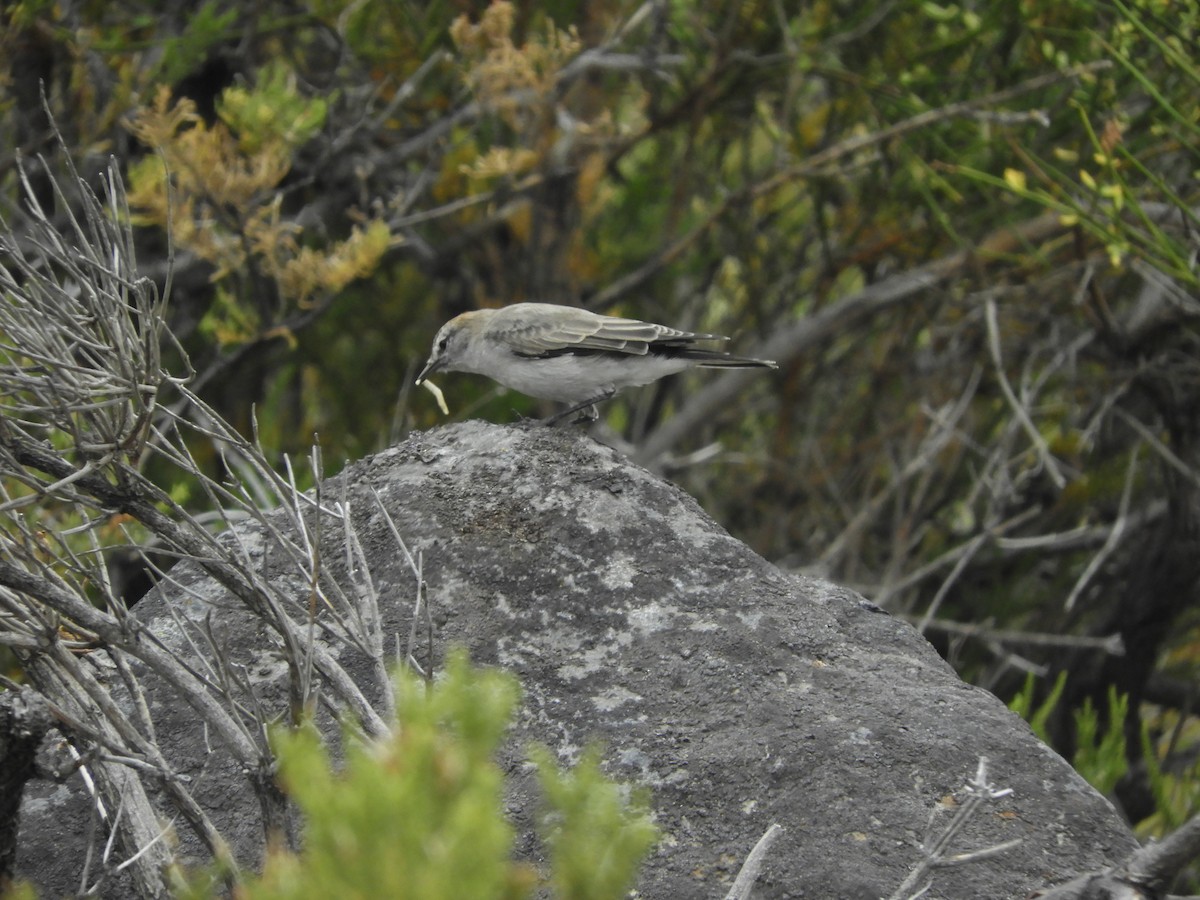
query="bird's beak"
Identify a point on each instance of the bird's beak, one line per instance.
(431, 366)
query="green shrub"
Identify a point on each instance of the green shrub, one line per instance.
(421, 814)
(1100, 754)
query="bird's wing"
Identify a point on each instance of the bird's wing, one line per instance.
(534, 329)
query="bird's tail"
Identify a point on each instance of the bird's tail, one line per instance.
(714, 359)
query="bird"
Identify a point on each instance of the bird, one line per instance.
(570, 355)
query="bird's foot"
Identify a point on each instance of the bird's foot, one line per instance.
(587, 410)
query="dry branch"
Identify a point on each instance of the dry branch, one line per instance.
(83, 384)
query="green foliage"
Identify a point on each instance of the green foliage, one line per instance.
(1100, 756)
(272, 110)
(397, 36)
(25, 13)
(597, 840)
(21, 890)
(1105, 182)
(227, 321)
(421, 814)
(205, 29)
(1022, 704)
(1176, 794)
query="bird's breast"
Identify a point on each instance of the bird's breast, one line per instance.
(574, 378)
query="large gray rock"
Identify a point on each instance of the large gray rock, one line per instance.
(741, 696)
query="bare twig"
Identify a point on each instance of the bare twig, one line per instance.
(80, 384)
(1019, 410)
(936, 855)
(420, 597)
(937, 438)
(951, 557)
(1168, 456)
(1111, 644)
(748, 874)
(960, 565)
(1148, 872)
(1115, 533)
(791, 341)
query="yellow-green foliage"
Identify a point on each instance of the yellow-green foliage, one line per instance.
(22, 890)
(499, 69)
(272, 112)
(1176, 793)
(421, 814)
(226, 202)
(515, 69)
(214, 182)
(1022, 704)
(1096, 181)
(595, 844)
(1100, 753)
(515, 82)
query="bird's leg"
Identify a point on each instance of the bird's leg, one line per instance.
(587, 408)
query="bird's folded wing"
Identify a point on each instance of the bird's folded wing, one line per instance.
(578, 329)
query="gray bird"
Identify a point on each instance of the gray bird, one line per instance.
(570, 355)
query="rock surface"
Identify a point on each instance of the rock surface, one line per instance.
(739, 695)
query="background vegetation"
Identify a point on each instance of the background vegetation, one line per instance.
(968, 233)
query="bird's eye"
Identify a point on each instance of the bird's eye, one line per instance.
(443, 344)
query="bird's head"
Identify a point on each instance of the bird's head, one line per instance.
(450, 346)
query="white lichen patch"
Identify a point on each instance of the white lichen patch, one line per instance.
(614, 517)
(861, 736)
(750, 620)
(510, 654)
(652, 617)
(618, 574)
(638, 759)
(615, 696)
(589, 662)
